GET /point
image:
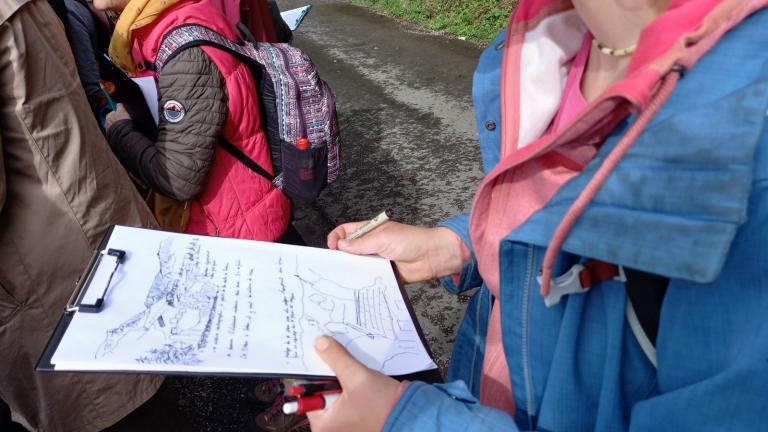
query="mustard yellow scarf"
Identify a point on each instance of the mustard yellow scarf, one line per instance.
(136, 14)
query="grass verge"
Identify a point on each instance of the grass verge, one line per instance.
(476, 20)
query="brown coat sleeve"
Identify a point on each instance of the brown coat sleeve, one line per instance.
(177, 164)
(2, 176)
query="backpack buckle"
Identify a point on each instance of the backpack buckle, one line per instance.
(567, 283)
(580, 278)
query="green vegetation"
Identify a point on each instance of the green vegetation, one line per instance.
(477, 20)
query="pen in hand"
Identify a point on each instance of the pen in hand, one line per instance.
(311, 388)
(316, 402)
(373, 223)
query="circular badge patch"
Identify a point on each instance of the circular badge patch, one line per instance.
(174, 111)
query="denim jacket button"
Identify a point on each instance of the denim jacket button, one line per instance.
(490, 125)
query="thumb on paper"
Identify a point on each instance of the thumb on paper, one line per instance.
(346, 368)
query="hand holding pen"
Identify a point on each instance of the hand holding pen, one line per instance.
(308, 388)
(367, 397)
(315, 402)
(369, 226)
(419, 253)
(311, 396)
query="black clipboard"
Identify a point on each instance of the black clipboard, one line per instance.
(44, 363)
(112, 258)
(129, 94)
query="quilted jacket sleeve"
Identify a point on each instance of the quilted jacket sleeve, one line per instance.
(193, 109)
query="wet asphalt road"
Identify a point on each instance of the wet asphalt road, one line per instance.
(409, 145)
(409, 142)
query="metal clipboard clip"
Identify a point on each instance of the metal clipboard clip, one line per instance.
(80, 300)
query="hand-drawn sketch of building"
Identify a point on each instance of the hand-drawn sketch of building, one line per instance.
(359, 318)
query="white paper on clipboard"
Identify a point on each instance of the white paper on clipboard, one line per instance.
(149, 90)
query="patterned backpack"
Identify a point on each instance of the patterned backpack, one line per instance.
(298, 108)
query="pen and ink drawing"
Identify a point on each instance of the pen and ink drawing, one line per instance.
(199, 307)
(178, 309)
(364, 319)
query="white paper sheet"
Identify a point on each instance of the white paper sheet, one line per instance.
(202, 304)
(149, 90)
(294, 17)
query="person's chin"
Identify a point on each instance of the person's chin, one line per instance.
(113, 5)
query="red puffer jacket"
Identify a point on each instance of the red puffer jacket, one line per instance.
(234, 202)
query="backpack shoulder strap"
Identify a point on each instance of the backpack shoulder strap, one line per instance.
(191, 35)
(245, 160)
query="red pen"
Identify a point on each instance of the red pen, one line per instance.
(315, 402)
(310, 388)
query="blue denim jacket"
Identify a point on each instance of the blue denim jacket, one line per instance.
(689, 201)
